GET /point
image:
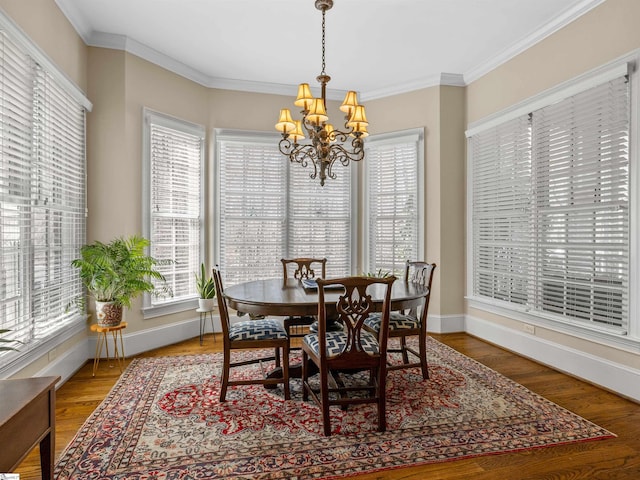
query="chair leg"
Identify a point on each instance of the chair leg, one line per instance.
(277, 356)
(225, 375)
(285, 371)
(382, 400)
(403, 347)
(324, 395)
(305, 376)
(423, 359)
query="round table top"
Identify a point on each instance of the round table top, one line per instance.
(273, 297)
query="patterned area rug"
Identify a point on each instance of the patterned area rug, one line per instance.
(163, 420)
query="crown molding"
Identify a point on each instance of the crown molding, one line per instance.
(120, 42)
(529, 41)
(77, 20)
(400, 88)
(452, 80)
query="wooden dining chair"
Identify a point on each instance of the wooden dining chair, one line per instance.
(301, 268)
(250, 334)
(351, 349)
(412, 322)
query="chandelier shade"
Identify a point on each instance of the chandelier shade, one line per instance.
(285, 123)
(313, 140)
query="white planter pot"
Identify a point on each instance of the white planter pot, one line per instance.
(206, 304)
(109, 314)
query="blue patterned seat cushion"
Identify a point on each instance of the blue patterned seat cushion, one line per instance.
(266, 329)
(337, 342)
(397, 321)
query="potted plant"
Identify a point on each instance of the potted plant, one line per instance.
(206, 289)
(116, 272)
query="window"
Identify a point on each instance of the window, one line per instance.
(395, 185)
(270, 209)
(42, 196)
(174, 162)
(550, 207)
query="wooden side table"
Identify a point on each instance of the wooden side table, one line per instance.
(203, 320)
(118, 354)
(28, 418)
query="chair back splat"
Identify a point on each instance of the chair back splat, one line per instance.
(351, 349)
(301, 268)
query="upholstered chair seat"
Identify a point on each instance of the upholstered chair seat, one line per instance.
(337, 343)
(265, 329)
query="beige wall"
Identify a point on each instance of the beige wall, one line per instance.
(440, 111)
(602, 35)
(46, 25)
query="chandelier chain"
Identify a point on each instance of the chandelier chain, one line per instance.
(323, 43)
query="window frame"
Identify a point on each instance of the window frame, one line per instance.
(399, 137)
(222, 134)
(630, 340)
(61, 91)
(150, 117)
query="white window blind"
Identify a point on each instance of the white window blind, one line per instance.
(502, 229)
(176, 162)
(320, 217)
(581, 180)
(271, 209)
(252, 191)
(551, 209)
(394, 183)
(42, 199)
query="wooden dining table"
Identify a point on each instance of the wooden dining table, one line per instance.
(273, 296)
(276, 297)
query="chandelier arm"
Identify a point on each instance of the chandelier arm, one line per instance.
(338, 152)
(340, 136)
(303, 154)
(284, 145)
(329, 165)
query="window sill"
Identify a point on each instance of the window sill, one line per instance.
(14, 362)
(170, 308)
(616, 339)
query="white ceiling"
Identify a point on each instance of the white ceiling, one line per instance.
(377, 47)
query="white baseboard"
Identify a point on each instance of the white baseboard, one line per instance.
(67, 364)
(446, 323)
(610, 375)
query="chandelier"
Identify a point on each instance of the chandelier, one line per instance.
(325, 145)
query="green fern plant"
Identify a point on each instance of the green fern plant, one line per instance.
(120, 270)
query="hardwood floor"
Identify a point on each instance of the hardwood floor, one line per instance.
(613, 459)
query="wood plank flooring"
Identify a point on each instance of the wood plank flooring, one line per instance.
(613, 459)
